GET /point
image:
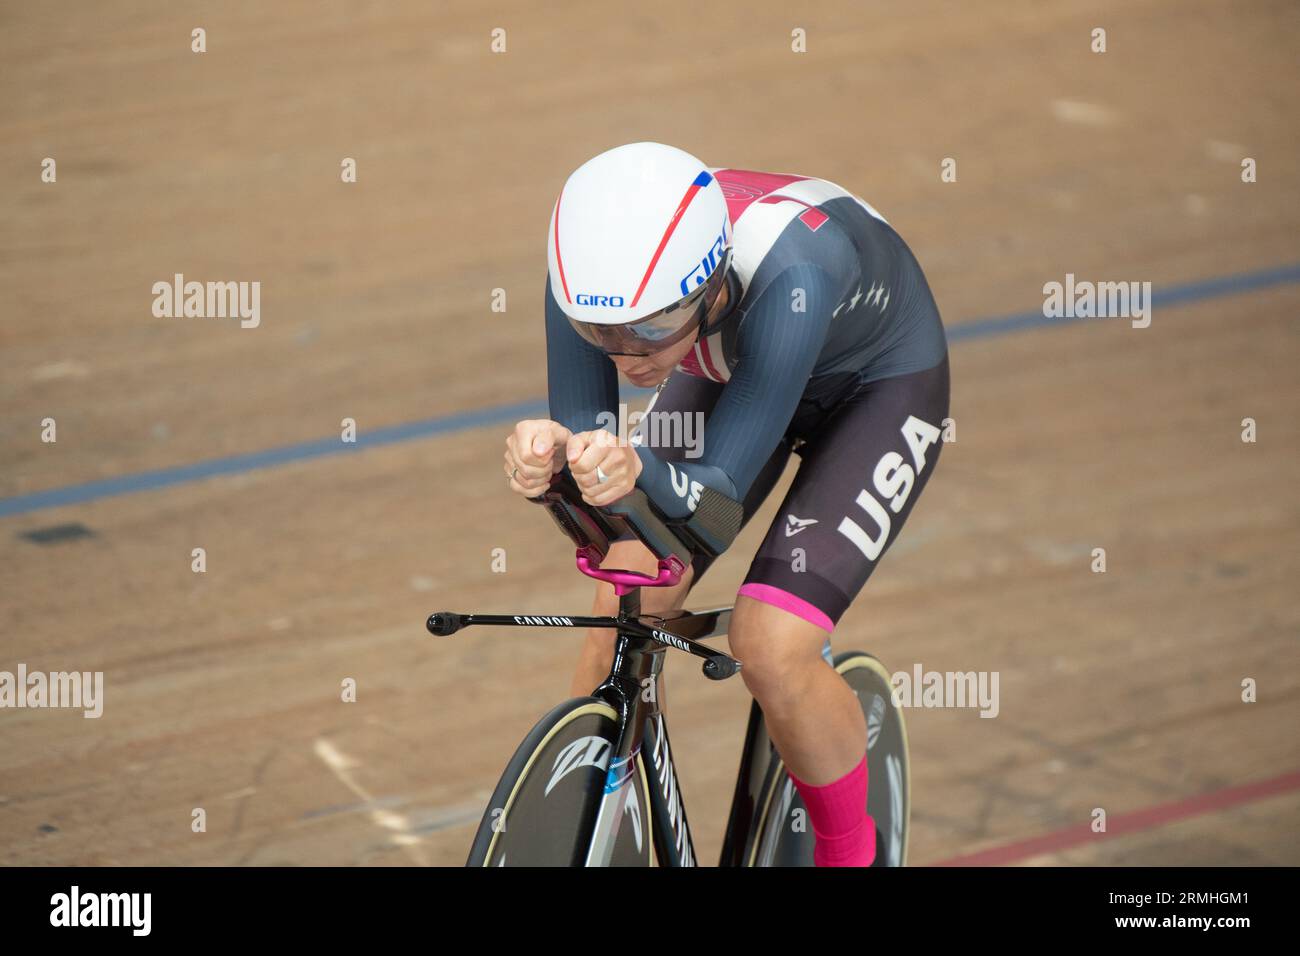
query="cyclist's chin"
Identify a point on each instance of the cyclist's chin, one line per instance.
(645, 379)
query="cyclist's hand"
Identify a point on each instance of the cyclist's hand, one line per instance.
(604, 470)
(531, 457)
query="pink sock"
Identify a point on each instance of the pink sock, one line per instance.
(846, 834)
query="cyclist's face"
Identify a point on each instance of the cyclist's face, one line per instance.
(647, 371)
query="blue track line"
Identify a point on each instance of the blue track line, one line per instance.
(1199, 291)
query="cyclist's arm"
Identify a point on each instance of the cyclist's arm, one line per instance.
(777, 349)
(581, 380)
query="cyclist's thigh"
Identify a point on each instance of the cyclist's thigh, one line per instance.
(860, 476)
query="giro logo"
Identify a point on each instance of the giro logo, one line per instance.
(893, 480)
(608, 301)
(710, 262)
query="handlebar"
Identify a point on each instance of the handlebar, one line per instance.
(709, 530)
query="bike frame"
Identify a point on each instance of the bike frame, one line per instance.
(642, 640)
(638, 661)
(639, 650)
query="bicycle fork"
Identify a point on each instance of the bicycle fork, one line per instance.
(631, 689)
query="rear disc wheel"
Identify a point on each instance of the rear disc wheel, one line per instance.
(782, 834)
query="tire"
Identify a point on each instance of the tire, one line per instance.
(544, 807)
(775, 843)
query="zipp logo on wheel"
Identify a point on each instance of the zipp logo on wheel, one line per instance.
(583, 752)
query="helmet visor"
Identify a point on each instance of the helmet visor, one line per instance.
(662, 329)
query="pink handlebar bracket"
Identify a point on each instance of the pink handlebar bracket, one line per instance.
(670, 573)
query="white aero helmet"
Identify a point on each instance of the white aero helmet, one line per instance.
(639, 247)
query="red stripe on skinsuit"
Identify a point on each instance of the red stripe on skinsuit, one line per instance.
(812, 217)
(703, 345)
(691, 365)
(741, 187)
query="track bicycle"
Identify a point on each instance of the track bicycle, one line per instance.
(593, 783)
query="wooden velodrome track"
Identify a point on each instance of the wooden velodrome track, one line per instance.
(1119, 691)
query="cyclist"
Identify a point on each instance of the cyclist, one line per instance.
(791, 317)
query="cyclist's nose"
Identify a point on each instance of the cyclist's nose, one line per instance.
(629, 364)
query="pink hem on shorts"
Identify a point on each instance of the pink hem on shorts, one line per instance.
(788, 602)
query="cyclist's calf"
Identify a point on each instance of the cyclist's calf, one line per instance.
(811, 713)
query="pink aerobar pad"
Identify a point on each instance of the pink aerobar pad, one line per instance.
(670, 572)
(846, 834)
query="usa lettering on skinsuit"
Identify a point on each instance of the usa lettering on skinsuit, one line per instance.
(684, 485)
(893, 480)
